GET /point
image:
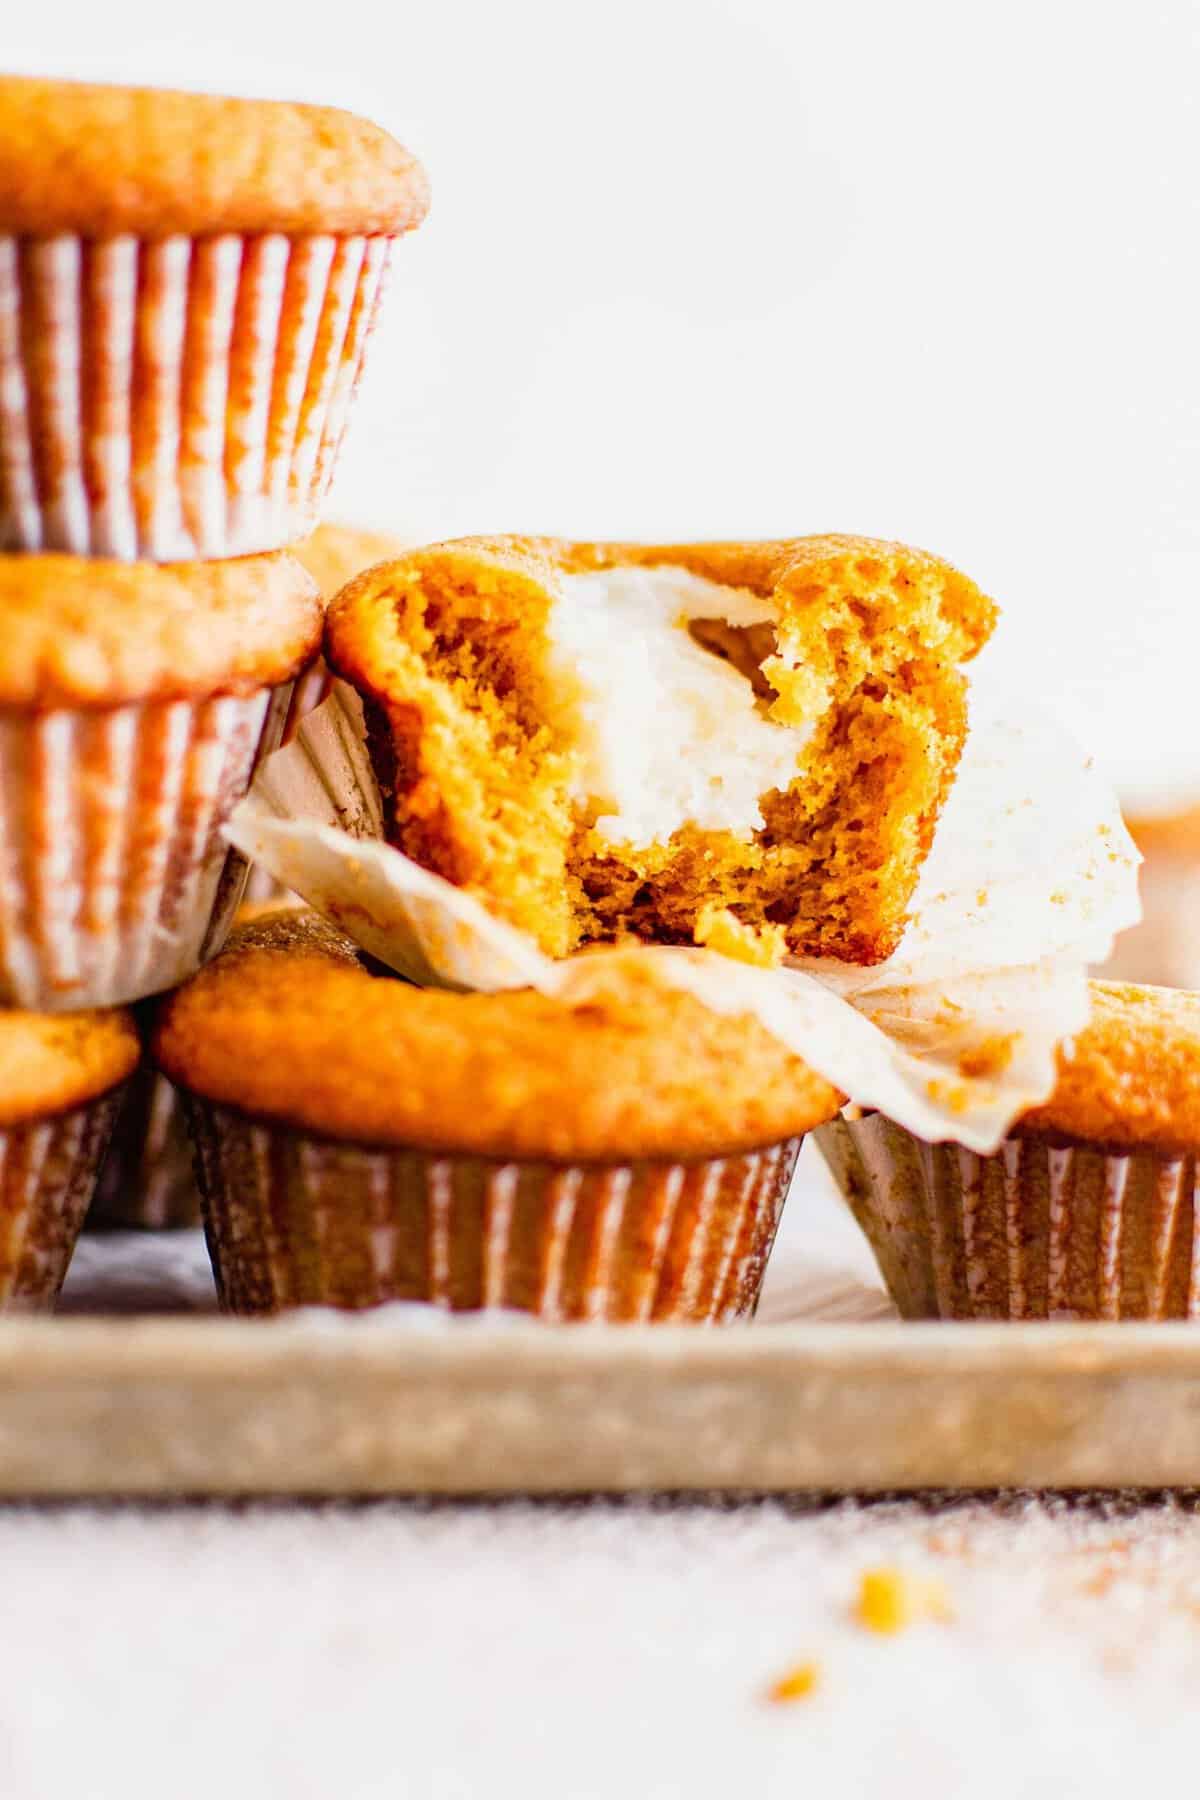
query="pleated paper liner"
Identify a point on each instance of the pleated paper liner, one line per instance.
(48, 1171)
(177, 398)
(115, 879)
(312, 687)
(1044, 1229)
(294, 1220)
(148, 1179)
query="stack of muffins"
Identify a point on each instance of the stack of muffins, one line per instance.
(187, 287)
(743, 746)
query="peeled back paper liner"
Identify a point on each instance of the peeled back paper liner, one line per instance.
(1031, 874)
(179, 397)
(1042, 1229)
(294, 1220)
(117, 879)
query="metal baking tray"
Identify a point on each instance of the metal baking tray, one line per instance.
(136, 1387)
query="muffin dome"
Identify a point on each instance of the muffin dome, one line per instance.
(82, 631)
(1131, 1079)
(103, 161)
(290, 1024)
(51, 1064)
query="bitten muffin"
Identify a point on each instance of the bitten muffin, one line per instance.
(739, 744)
(187, 285)
(1088, 1208)
(624, 1156)
(135, 702)
(60, 1086)
(1165, 947)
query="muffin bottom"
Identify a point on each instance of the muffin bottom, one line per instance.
(296, 1220)
(48, 1171)
(1049, 1227)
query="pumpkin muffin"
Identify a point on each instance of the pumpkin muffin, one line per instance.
(739, 744)
(135, 702)
(1165, 946)
(623, 1154)
(1088, 1208)
(187, 285)
(60, 1086)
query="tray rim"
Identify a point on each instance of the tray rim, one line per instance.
(349, 1406)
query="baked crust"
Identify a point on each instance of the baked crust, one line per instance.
(1175, 834)
(53, 1062)
(99, 161)
(288, 1023)
(83, 631)
(334, 554)
(1131, 1079)
(446, 646)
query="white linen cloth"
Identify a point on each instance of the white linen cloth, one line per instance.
(594, 1649)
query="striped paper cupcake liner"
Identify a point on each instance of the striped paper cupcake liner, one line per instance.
(115, 879)
(312, 687)
(298, 1221)
(147, 1180)
(48, 1170)
(1043, 1229)
(177, 398)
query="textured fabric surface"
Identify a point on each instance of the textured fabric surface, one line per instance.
(592, 1648)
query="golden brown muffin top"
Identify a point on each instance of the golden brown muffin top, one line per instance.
(362, 630)
(1169, 834)
(334, 554)
(82, 631)
(78, 157)
(52, 1062)
(1131, 1079)
(289, 1024)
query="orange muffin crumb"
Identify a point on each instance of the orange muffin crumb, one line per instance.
(889, 1600)
(479, 723)
(798, 1684)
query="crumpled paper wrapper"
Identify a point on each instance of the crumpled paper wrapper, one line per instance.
(1031, 875)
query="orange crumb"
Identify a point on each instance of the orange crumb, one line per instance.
(990, 1057)
(890, 1600)
(797, 1684)
(954, 1096)
(719, 929)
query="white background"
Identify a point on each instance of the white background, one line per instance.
(733, 267)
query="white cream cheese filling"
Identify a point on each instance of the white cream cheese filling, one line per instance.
(666, 733)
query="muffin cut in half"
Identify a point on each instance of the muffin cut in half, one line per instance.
(1088, 1210)
(741, 744)
(620, 1155)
